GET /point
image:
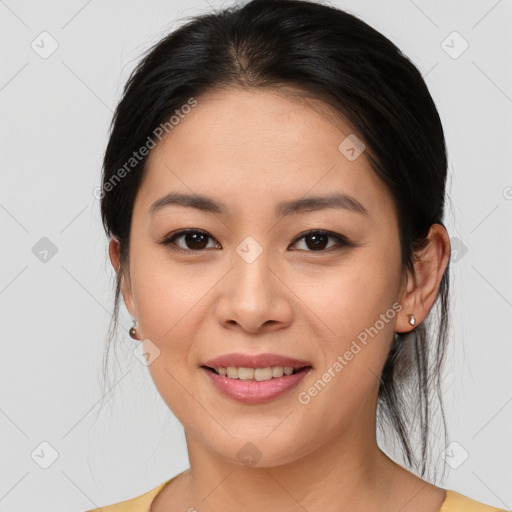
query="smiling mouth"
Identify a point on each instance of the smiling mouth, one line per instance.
(256, 374)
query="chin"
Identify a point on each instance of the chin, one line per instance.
(259, 451)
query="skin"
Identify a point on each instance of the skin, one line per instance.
(251, 150)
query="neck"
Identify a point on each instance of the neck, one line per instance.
(348, 472)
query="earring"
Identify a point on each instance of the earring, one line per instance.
(133, 331)
(412, 320)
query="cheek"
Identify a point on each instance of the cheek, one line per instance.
(345, 300)
(355, 314)
(168, 295)
(360, 313)
(169, 302)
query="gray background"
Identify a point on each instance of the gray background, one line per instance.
(55, 113)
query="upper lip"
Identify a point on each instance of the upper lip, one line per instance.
(254, 361)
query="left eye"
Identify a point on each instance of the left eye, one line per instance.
(318, 240)
(315, 241)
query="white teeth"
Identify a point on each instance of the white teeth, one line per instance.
(232, 372)
(245, 373)
(258, 374)
(277, 371)
(263, 373)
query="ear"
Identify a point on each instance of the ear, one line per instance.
(430, 264)
(114, 251)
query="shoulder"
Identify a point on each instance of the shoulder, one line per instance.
(455, 502)
(140, 503)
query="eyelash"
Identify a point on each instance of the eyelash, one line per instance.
(342, 241)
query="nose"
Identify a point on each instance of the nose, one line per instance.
(254, 297)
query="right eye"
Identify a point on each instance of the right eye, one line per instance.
(193, 238)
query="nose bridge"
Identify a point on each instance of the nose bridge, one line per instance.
(252, 274)
(252, 295)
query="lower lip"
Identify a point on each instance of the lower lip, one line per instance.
(252, 391)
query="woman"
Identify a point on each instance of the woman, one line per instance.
(274, 190)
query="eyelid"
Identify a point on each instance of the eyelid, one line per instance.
(341, 240)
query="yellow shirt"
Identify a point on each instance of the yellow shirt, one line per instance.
(454, 502)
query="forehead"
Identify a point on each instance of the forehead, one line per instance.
(248, 147)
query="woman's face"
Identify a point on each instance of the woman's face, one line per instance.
(254, 280)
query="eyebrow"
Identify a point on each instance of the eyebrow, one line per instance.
(282, 209)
